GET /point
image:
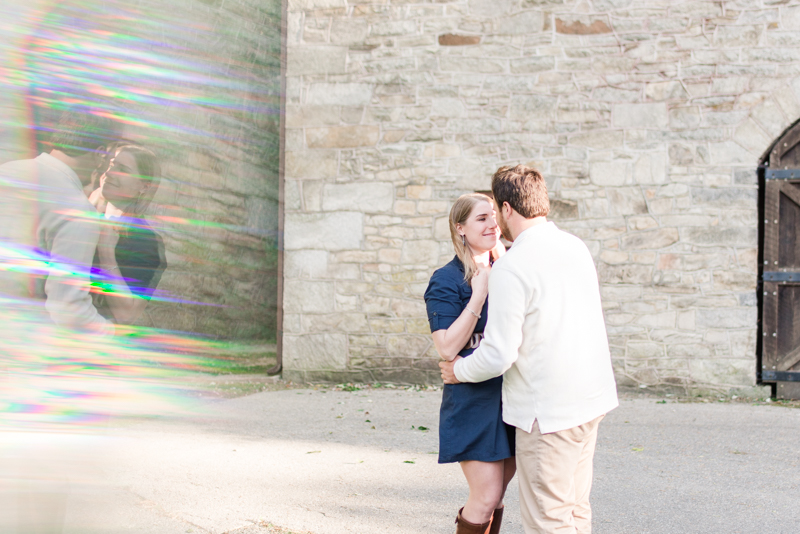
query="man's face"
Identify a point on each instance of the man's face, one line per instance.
(501, 222)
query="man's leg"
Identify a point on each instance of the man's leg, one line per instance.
(547, 465)
(583, 478)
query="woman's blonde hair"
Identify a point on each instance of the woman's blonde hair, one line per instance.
(459, 214)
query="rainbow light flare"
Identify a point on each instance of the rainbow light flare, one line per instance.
(128, 61)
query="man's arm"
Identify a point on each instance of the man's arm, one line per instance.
(67, 287)
(503, 334)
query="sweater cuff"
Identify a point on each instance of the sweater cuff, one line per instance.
(456, 368)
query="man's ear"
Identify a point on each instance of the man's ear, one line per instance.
(507, 210)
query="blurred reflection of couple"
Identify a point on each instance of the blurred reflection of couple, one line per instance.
(90, 270)
(71, 267)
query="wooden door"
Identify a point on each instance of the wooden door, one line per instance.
(780, 357)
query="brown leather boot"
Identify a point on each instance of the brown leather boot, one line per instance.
(465, 527)
(497, 520)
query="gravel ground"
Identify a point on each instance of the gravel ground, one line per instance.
(329, 461)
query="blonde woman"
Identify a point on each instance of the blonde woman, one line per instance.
(471, 428)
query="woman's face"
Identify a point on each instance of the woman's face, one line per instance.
(480, 228)
(121, 182)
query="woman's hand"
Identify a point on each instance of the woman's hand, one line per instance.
(97, 200)
(480, 282)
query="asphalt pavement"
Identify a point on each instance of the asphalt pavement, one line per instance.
(329, 461)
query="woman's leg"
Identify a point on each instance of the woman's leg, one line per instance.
(509, 469)
(485, 480)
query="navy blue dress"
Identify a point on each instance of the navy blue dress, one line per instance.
(471, 423)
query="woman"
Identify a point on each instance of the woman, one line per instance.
(471, 428)
(129, 252)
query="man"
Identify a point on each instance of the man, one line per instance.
(547, 334)
(48, 235)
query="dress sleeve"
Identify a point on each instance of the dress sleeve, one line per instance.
(442, 301)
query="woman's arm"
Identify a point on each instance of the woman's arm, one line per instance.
(449, 342)
(124, 305)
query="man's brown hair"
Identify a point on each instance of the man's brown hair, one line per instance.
(523, 188)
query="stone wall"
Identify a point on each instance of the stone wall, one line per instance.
(199, 82)
(646, 117)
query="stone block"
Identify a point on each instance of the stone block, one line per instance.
(405, 207)
(490, 8)
(686, 320)
(642, 349)
(393, 27)
(312, 164)
(691, 262)
(314, 351)
(361, 196)
(312, 195)
(316, 60)
(589, 26)
(292, 200)
(614, 257)
(387, 326)
(420, 251)
(331, 231)
(735, 280)
(350, 31)
(734, 36)
(304, 296)
(729, 372)
(684, 117)
(651, 239)
(641, 223)
(609, 173)
(408, 308)
(595, 208)
(305, 264)
(432, 206)
(441, 228)
(725, 197)
(311, 115)
(408, 345)
(657, 320)
(626, 201)
(451, 39)
(524, 23)
(650, 169)
(344, 271)
(625, 274)
(339, 94)
(343, 136)
(336, 322)
(529, 65)
(471, 65)
(447, 107)
(730, 153)
(563, 210)
(389, 255)
(727, 317)
(602, 139)
(533, 106)
(640, 116)
(671, 90)
(750, 135)
(417, 192)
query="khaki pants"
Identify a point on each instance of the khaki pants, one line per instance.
(555, 478)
